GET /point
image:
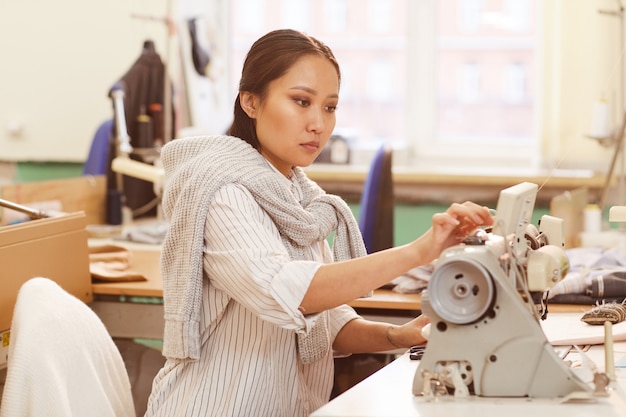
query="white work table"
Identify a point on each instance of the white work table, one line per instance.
(388, 393)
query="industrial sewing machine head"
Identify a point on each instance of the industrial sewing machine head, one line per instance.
(485, 335)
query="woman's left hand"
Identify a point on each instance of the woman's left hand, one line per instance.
(409, 334)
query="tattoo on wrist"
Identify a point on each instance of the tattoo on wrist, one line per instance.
(388, 334)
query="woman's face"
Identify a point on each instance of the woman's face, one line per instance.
(297, 117)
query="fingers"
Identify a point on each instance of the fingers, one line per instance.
(455, 224)
(471, 212)
(458, 222)
(445, 219)
(418, 324)
(470, 216)
(422, 320)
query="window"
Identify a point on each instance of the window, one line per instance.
(469, 15)
(337, 15)
(515, 82)
(469, 83)
(296, 14)
(250, 13)
(379, 15)
(484, 106)
(378, 84)
(437, 78)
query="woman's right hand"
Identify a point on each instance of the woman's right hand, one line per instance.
(452, 226)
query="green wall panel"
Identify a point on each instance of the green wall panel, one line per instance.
(42, 171)
(411, 221)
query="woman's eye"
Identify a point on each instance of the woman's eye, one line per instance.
(302, 102)
(331, 109)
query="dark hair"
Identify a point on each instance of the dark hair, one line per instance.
(269, 58)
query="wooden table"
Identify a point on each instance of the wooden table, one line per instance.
(135, 309)
(144, 260)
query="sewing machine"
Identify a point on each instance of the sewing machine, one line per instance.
(485, 337)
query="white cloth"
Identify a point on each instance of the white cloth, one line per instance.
(62, 361)
(249, 364)
(195, 168)
(414, 280)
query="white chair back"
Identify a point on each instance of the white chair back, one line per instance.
(61, 360)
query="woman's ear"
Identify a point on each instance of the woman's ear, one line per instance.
(248, 103)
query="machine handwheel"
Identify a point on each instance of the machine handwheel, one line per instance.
(461, 292)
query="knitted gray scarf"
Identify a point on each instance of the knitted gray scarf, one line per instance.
(195, 168)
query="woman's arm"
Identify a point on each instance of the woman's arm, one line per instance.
(364, 336)
(341, 282)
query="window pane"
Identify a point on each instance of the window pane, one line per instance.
(468, 67)
(296, 14)
(369, 41)
(485, 62)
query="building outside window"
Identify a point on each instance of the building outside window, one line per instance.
(433, 77)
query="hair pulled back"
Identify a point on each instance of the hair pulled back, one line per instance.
(269, 58)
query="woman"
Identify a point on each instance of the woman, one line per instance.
(254, 299)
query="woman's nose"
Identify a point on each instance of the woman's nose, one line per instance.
(317, 122)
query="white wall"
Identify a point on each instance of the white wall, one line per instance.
(581, 64)
(59, 59)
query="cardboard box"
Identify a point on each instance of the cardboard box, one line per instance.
(86, 194)
(54, 248)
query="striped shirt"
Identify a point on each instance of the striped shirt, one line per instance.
(249, 364)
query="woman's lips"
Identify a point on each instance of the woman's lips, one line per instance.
(311, 146)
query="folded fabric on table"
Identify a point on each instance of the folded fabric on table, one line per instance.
(413, 281)
(112, 263)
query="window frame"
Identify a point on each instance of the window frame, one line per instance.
(424, 148)
(562, 123)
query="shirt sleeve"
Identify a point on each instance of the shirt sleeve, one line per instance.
(245, 257)
(339, 317)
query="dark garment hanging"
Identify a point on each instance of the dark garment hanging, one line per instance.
(143, 86)
(199, 56)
